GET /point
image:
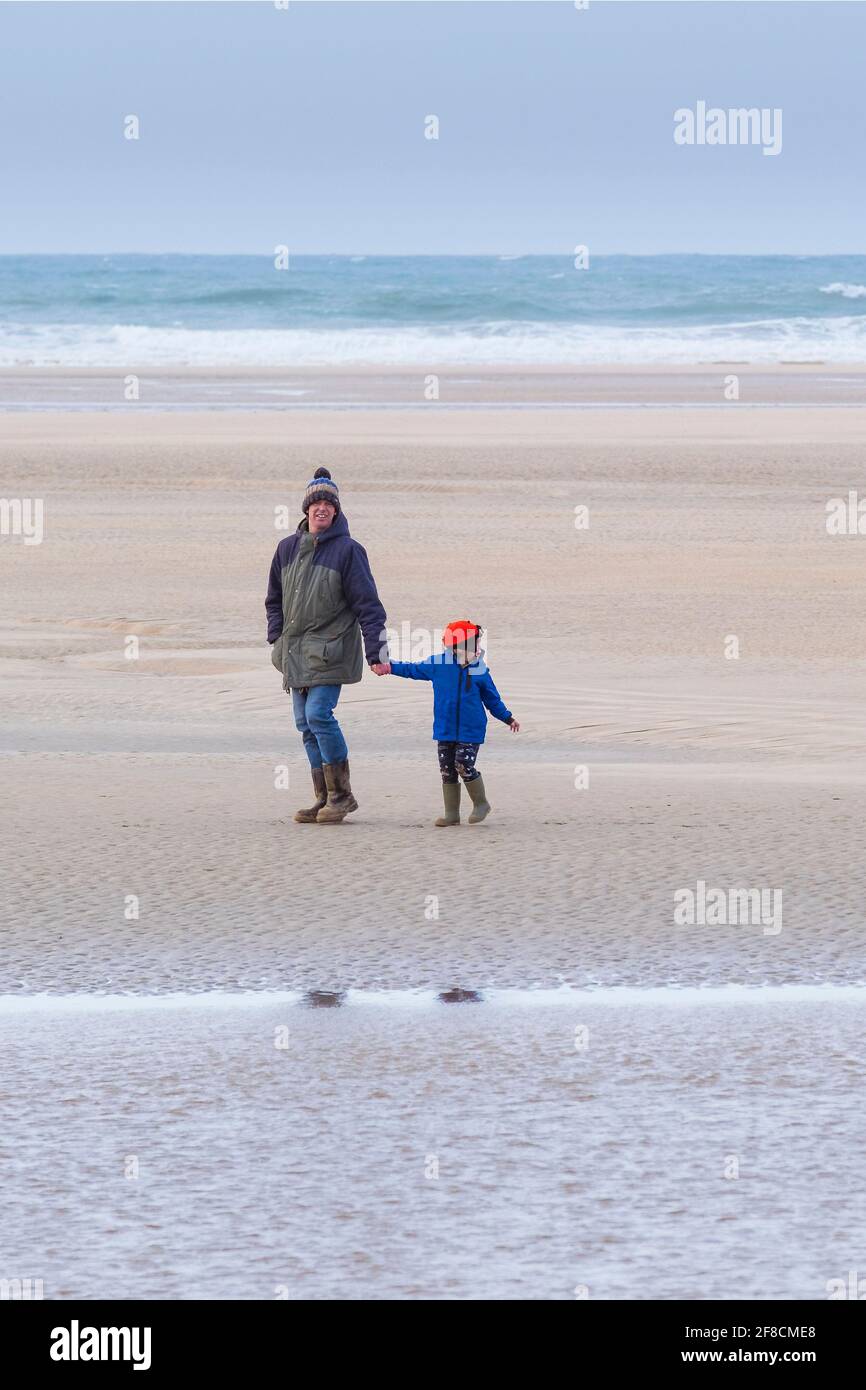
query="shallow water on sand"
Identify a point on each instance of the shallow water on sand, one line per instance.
(565, 1158)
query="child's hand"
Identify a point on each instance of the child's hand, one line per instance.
(514, 726)
(381, 668)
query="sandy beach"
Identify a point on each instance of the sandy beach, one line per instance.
(156, 776)
(153, 781)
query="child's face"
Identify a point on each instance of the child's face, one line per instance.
(465, 652)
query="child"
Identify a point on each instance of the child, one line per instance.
(462, 687)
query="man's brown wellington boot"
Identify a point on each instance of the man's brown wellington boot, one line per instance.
(321, 790)
(340, 799)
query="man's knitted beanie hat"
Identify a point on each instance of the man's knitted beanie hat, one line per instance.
(321, 488)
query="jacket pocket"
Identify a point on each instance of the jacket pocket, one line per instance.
(277, 652)
(316, 653)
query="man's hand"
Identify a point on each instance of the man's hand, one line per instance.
(514, 726)
(381, 668)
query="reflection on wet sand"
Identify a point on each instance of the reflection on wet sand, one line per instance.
(324, 998)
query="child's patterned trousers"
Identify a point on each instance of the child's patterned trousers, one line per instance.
(458, 757)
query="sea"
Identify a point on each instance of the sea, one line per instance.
(256, 311)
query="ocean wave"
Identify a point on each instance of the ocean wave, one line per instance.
(840, 339)
(847, 291)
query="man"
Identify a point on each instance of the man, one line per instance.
(321, 598)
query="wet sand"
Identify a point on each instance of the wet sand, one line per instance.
(687, 1151)
(431, 386)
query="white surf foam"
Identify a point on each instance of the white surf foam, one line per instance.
(841, 339)
(847, 291)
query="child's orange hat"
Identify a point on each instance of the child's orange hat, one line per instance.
(460, 631)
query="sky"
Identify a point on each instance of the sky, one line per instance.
(304, 126)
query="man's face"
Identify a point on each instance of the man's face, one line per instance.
(320, 516)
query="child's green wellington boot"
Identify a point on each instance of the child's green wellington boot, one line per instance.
(451, 797)
(480, 803)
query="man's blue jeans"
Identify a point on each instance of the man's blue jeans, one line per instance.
(314, 718)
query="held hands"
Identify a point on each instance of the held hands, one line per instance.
(381, 668)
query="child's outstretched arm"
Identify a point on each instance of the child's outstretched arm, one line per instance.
(413, 670)
(491, 698)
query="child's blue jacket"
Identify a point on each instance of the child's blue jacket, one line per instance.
(460, 694)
